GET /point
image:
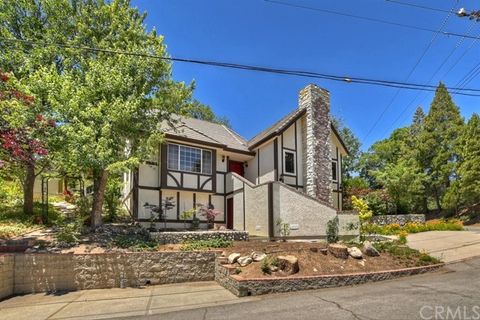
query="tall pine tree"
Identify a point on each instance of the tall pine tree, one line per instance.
(465, 190)
(437, 150)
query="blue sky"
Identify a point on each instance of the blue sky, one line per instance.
(256, 32)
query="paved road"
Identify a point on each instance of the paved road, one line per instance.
(455, 289)
(448, 245)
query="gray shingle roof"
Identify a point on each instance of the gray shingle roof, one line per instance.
(206, 131)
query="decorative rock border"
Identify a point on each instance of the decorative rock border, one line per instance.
(400, 219)
(182, 236)
(239, 286)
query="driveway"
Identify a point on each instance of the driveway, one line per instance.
(448, 245)
(115, 303)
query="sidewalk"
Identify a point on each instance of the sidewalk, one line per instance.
(117, 303)
(447, 245)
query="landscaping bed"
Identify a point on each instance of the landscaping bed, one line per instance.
(312, 260)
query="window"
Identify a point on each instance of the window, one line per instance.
(334, 170)
(289, 162)
(189, 159)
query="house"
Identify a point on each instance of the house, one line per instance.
(291, 171)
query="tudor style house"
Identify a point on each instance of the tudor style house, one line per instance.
(290, 171)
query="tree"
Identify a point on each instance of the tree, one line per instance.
(350, 162)
(24, 133)
(104, 102)
(465, 189)
(200, 111)
(437, 150)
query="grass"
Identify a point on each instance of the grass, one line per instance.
(412, 227)
(10, 229)
(206, 244)
(406, 254)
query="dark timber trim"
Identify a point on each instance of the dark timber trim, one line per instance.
(258, 165)
(135, 193)
(180, 221)
(206, 143)
(147, 187)
(281, 158)
(178, 205)
(296, 153)
(275, 158)
(204, 183)
(244, 215)
(271, 231)
(163, 164)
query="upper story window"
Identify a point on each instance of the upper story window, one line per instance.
(334, 171)
(289, 162)
(189, 159)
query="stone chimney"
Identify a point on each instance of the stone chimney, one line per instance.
(317, 162)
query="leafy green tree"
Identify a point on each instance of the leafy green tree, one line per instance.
(465, 190)
(350, 162)
(197, 110)
(437, 150)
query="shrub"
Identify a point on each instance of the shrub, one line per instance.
(206, 244)
(134, 242)
(406, 254)
(267, 263)
(113, 192)
(413, 227)
(69, 234)
(380, 202)
(362, 208)
(402, 237)
(283, 228)
(332, 230)
(9, 229)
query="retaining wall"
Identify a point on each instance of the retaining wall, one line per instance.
(225, 276)
(31, 273)
(400, 219)
(182, 236)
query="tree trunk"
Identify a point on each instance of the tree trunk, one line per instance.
(437, 201)
(28, 184)
(99, 185)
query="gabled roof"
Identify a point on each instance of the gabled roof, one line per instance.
(283, 124)
(202, 131)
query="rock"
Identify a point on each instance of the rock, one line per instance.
(315, 270)
(222, 260)
(244, 261)
(370, 250)
(258, 256)
(362, 262)
(314, 249)
(273, 268)
(324, 251)
(288, 264)
(338, 250)
(354, 252)
(233, 257)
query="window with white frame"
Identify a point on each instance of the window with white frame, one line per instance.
(289, 162)
(189, 159)
(334, 170)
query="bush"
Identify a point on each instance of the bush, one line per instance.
(267, 262)
(69, 234)
(134, 242)
(402, 237)
(206, 244)
(332, 230)
(406, 254)
(380, 202)
(113, 192)
(10, 229)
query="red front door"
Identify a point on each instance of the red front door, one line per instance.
(230, 213)
(236, 166)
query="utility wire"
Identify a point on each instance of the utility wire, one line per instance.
(309, 74)
(418, 6)
(419, 60)
(457, 45)
(398, 24)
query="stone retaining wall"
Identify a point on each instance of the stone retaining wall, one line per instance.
(225, 276)
(182, 236)
(31, 273)
(6, 276)
(400, 219)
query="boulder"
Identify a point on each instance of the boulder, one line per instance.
(288, 264)
(273, 268)
(244, 261)
(258, 256)
(354, 252)
(222, 260)
(233, 257)
(370, 250)
(338, 250)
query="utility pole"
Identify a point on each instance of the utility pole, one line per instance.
(462, 13)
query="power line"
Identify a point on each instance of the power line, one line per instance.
(419, 60)
(398, 24)
(457, 45)
(418, 6)
(301, 73)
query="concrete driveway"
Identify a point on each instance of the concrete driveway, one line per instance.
(115, 303)
(448, 246)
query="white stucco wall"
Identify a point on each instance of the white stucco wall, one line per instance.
(306, 216)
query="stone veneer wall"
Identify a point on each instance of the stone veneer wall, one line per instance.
(316, 142)
(182, 236)
(31, 273)
(6, 276)
(239, 286)
(400, 219)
